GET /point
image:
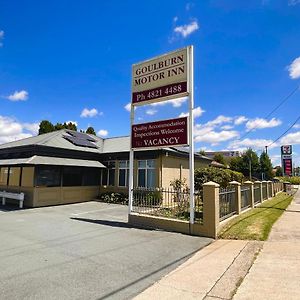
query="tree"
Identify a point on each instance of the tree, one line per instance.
(202, 152)
(248, 163)
(218, 157)
(91, 130)
(45, 127)
(279, 171)
(266, 165)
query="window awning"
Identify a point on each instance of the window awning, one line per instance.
(54, 161)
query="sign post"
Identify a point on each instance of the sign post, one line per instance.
(163, 78)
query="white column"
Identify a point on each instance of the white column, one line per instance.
(131, 161)
(191, 131)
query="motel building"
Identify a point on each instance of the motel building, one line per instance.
(67, 167)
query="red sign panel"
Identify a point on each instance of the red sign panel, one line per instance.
(159, 92)
(160, 134)
(287, 167)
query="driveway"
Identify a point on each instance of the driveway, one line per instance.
(84, 251)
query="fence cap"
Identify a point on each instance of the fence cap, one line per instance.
(248, 182)
(269, 181)
(211, 183)
(257, 181)
(234, 183)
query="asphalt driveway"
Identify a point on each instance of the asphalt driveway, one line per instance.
(84, 251)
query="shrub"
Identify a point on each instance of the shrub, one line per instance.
(293, 180)
(112, 197)
(147, 197)
(220, 176)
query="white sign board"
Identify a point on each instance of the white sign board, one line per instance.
(161, 78)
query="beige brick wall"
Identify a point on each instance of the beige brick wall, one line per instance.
(175, 168)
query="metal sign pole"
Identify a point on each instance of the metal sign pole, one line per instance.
(131, 161)
(191, 133)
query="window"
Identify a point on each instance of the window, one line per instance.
(72, 176)
(14, 176)
(146, 173)
(3, 175)
(91, 177)
(48, 176)
(27, 176)
(108, 175)
(123, 172)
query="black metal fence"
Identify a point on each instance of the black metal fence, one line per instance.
(227, 203)
(265, 190)
(245, 197)
(168, 203)
(257, 194)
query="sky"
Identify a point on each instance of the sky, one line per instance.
(71, 61)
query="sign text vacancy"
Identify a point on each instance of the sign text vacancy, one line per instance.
(160, 134)
(161, 78)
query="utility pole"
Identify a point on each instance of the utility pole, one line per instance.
(250, 173)
(266, 149)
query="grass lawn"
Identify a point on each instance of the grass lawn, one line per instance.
(256, 223)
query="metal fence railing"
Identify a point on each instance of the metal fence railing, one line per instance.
(265, 190)
(227, 203)
(245, 197)
(168, 203)
(256, 194)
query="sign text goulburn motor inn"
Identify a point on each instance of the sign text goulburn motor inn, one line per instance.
(160, 78)
(160, 134)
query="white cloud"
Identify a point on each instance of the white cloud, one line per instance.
(128, 106)
(219, 120)
(12, 130)
(175, 102)
(73, 122)
(293, 2)
(227, 127)
(151, 112)
(294, 68)
(1, 37)
(90, 113)
(210, 136)
(186, 30)
(102, 132)
(175, 19)
(240, 120)
(250, 143)
(18, 96)
(260, 123)
(291, 138)
(296, 126)
(31, 127)
(198, 112)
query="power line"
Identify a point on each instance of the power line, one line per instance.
(295, 122)
(279, 105)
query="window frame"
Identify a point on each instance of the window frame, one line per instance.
(126, 168)
(146, 168)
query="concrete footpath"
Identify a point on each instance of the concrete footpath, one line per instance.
(276, 272)
(240, 269)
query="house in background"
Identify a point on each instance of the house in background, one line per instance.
(67, 167)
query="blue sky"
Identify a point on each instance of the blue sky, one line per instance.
(71, 61)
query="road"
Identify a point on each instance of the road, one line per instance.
(84, 251)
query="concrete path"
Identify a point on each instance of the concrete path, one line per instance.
(228, 267)
(276, 272)
(212, 273)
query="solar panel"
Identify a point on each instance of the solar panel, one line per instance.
(81, 135)
(80, 142)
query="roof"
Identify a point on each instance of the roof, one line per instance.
(110, 145)
(55, 139)
(56, 161)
